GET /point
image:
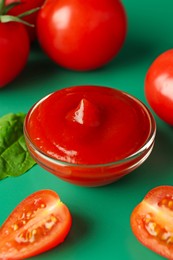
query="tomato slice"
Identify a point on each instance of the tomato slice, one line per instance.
(152, 221)
(39, 223)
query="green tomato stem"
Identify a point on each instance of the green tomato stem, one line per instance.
(29, 12)
(2, 5)
(10, 18)
(10, 6)
(5, 18)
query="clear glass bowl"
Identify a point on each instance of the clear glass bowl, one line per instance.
(98, 174)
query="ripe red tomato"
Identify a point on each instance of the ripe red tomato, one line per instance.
(159, 86)
(26, 5)
(82, 35)
(14, 49)
(39, 223)
(152, 221)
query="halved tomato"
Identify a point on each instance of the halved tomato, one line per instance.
(152, 221)
(39, 223)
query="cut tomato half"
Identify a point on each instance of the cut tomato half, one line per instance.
(39, 223)
(152, 221)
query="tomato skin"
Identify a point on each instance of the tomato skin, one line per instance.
(14, 48)
(152, 219)
(39, 223)
(82, 35)
(26, 5)
(159, 86)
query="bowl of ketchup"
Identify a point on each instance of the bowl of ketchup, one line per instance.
(89, 135)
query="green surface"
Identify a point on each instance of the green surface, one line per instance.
(101, 228)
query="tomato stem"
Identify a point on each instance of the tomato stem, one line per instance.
(10, 18)
(29, 12)
(10, 6)
(5, 18)
(2, 5)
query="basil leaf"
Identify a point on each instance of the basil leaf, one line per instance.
(14, 156)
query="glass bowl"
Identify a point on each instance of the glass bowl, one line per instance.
(92, 174)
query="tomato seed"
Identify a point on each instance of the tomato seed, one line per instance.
(51, 222)
(151, 228)
(167, 202)
(15, 227)
(28, 215)
(170, 240)
(170, 204)
(165, 236)
(156, 230)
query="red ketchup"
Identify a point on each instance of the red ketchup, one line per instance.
(89, 125)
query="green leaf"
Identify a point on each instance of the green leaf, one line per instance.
(14, 156)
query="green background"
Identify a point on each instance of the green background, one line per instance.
(101, 227)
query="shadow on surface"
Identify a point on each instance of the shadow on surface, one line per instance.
(80, 229)
(134, 51)
(158, 168)
(38, 70)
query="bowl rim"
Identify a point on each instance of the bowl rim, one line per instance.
(146, 146)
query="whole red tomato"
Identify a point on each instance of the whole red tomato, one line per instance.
(14, 49)
(26, 5)
(82, 35)
(159, 86)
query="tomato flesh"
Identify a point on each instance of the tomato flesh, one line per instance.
(152, 219)
(37, 224)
